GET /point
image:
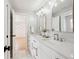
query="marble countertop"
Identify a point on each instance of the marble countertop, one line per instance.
(65, 48)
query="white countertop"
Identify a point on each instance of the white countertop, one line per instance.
(65, 49)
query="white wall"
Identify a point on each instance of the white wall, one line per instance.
(26, 22)
(32, 23)
(19, 25)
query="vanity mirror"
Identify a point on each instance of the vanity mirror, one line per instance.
(62, 16)
(67, 25)
(63, 22)
(59, 18)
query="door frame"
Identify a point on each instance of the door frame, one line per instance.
(11, 34)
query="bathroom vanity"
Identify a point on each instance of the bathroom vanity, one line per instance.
(46, 27)
(48, 48)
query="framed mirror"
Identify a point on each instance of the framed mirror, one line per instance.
(69, 24)
(63, 22)
(66, 23)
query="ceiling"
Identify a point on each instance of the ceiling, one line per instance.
(62, 5)
(56, 6)
(34, 5)
(26, 5)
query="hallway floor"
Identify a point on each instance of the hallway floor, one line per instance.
(22, 56)
(21, 49)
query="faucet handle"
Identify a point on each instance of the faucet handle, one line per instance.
(56, 37)
(62, 39)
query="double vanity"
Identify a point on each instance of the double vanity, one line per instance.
(52, 47)
(55, 38)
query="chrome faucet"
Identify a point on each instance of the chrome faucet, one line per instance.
(56, 37)
(62, 39)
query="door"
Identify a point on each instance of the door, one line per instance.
(15, 36)
(20, 49)
(7, 32)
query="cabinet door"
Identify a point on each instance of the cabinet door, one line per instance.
(44, 52)
(34, 47)
(49, 53)
(34, 53)
(35, 50)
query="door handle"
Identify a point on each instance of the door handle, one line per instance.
(13, 35)
(6, 48)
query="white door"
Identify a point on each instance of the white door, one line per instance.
(7, 30)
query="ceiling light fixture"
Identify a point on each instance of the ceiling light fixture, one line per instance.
(50, 3)
(55, 4)
(62, 0)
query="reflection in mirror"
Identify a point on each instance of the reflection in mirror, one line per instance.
(63, 22)
(66, 23)
(62, 16)
(55, 23)
(61, 19)
(69, 23)
(42, 22)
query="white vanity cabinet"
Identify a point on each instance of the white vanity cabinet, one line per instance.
(33, 47)
(49, 53)
(39, 50)
(44, 52)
